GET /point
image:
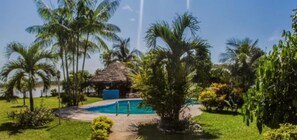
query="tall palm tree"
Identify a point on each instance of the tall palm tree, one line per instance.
(76, 28)
(242, 56)
(121, 51)
(176, 56)
(96, 24)
(107, 57)
(31, 63)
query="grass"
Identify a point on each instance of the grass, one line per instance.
(69, 129)
(224, 126)
(227, 126)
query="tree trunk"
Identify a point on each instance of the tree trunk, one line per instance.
(24, 98)
(31, 98)
(77, 90)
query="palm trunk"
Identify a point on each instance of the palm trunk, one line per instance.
(31, 95)
(85, 53)
(84, 58)
(67, 72)
(62, 61)
(74, 79)
(77, 90)
(24, 98)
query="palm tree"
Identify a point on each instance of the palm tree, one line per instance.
(177, 57)
(121, 51)
(76, 28)
(107, 57)
(96, 23)
(242, 56)
(31, 63)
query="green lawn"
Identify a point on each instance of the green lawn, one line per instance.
(216, 126)
(69, 129)
(227, 127)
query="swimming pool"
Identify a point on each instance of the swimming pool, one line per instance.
(123, 108)
(134, 107)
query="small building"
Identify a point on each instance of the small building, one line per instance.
(114, 76)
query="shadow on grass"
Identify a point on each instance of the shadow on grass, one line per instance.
(151, 132)
(13, 130)
(18, 106)
(223, 112)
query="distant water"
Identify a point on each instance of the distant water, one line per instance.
(37, 92)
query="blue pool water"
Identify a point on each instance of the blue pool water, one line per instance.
(134, 108)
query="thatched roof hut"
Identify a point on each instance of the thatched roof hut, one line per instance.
(112, 74)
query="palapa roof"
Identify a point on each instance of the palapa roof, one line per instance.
(116, 72)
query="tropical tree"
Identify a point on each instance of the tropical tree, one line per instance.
(75, 29)
(166, 75)
(242, 56)
(121, 52)
(273, 100)
(21, 85)
(31, 63)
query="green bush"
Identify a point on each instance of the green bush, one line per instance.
(99, 135)
(26, 118)
(285, 132)
(221, 96)
(69, 98)
(101, 127)
(273, 101)
(54, 92)
(208, 98)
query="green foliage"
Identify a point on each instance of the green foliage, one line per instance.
(54, 92)
(273, 100)
(73, 98)
(157, 91)
(285, 132)
(121, 52)
(221, 96)
(99, 135)
(165, 76)
(101, 127)
(208, 98)
(242, 59)
(30, 63)
(102, 122)
(74, 29)
(69, 98)
(220, 74)
(26, 118)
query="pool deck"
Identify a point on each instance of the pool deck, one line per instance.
(122, 122)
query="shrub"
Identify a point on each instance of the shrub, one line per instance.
(54, 92)
(220, 96)
(273, 99)
(208, 98)
(101, 127)
(69, 98)
(26, 118)
(285, 132)
(99, 135)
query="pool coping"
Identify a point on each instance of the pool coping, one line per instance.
(111, 102)
(123, 122)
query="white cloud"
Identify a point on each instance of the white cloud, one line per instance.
(132, 19)
(127, 7)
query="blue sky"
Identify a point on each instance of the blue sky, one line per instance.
(220, 20)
